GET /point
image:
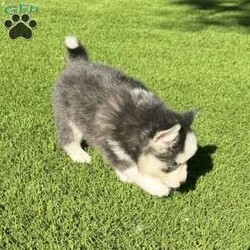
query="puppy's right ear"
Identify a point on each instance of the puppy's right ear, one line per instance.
(168, 135)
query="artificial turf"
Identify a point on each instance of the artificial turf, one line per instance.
(191, 55)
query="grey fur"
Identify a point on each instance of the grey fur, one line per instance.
(108, 105)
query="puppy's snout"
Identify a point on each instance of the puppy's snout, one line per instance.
(182, 182)
(183, 176)
(183, 179)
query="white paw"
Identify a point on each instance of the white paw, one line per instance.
(176, 178)
(123, 177)
(82, 157)
(154, 186)
(173, 183)
(71, 42)
(158, 190)
(76, 153)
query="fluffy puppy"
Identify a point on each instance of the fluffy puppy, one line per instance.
(146, 142)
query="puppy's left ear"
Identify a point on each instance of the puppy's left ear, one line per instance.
(168, 135)
(189, 116)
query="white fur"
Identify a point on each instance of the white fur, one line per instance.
(118, 151)
(71, 42)
(149, 184)
(190, 148)
(130, 173)
(152, 166)
(153, 186)
(183, 174)
(147, 179)
(175, 178)
(76, 131)
(74, 149)
(149, 164)
(123, 177)
(76, 153)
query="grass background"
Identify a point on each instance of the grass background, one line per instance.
(191, 55)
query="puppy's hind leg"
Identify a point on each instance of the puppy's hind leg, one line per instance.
(71, 139)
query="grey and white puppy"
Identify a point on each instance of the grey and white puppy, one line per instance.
(146, 143)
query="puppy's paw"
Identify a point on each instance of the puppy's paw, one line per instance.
(123, 177)
(82, 158)
(176, 178)
(154, 186)
(77, 154)
(158, 190)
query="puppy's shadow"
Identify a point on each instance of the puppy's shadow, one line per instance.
(199, 165)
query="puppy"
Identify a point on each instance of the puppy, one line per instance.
(147, 143)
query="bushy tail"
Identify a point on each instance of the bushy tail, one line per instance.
(75, 49)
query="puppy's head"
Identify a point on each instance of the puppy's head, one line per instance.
(167, 153)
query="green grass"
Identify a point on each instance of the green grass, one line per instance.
(49, 202)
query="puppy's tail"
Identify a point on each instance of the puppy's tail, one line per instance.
(75, 49)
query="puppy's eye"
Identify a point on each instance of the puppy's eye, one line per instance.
(179, 164)
(171, 168)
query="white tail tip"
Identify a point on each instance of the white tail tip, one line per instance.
(71, 42)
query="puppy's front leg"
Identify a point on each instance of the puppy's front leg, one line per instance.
(149, 184)
(123, 177)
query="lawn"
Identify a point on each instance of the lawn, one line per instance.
(191, 55)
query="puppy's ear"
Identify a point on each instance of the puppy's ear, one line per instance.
(167, 135)
(189, 116)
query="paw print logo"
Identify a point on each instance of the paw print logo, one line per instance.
(20, 27)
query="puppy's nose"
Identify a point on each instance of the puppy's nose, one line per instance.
(182, 182)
